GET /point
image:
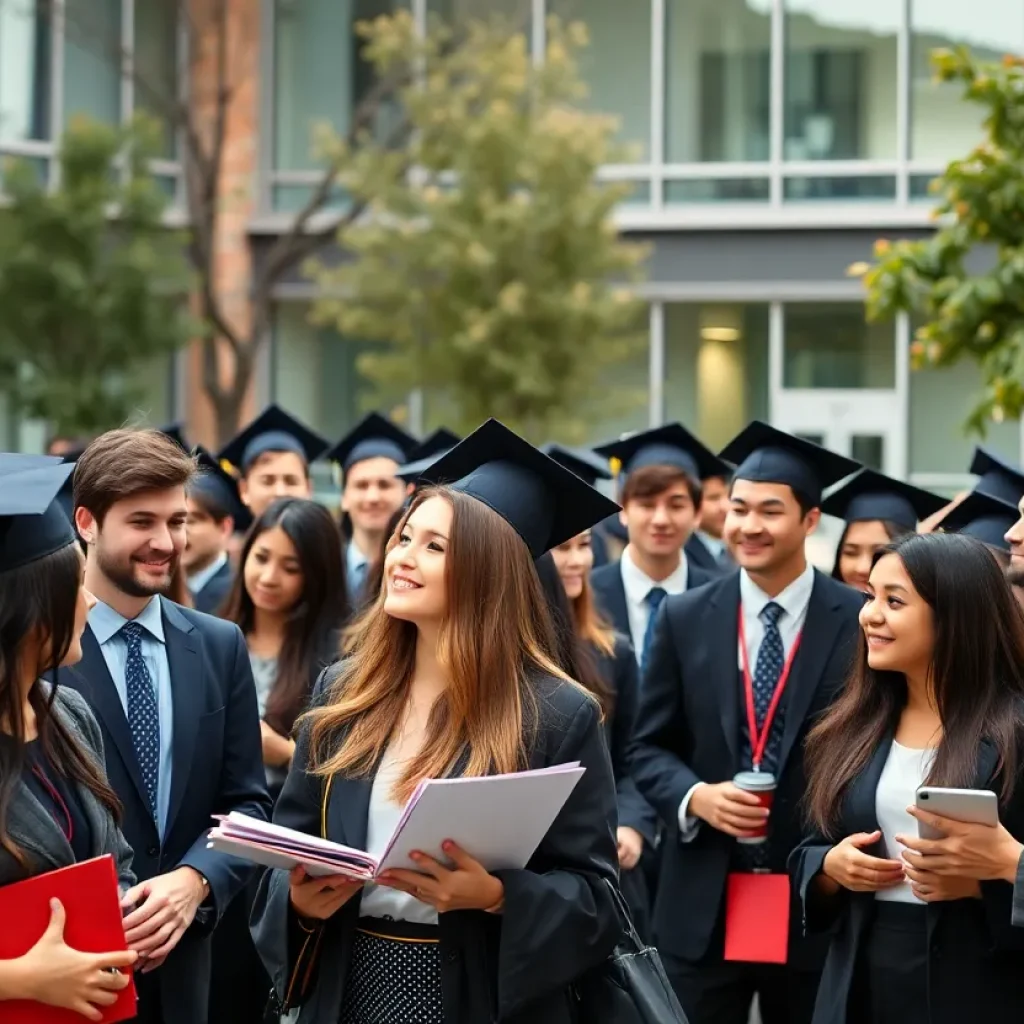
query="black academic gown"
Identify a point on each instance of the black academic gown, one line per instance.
(610, 592)
(976, 957)
(559, 919)
(620, 672)
(690, 729)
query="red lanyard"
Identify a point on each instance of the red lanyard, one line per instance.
(759, 740)
(58, 802)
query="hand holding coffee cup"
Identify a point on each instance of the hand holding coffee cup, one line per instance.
(730, 809)
(762, 786)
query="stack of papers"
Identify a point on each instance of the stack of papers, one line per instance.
(499, 820)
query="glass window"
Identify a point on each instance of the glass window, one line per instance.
(716, 367)
(943, 126)
(319, 74)
(830, 345)
(156, 51)
(25, 49)
(940, 401)
(617, 64)
(92, 48)
(515, 13)
(717, 81)
(841, 82)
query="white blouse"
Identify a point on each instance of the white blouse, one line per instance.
(384, 815)
(905, 770)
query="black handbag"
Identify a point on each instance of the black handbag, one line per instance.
(631, 986)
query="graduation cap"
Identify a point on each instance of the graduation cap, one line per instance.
(542, 501)
(983, 517)
(670, 445)
(32, 522)
(374, 437)
(762, 454)
(176, 433)
(585, 464)
(997, 477)
(274, 430)
(870, 495)
(412, 471)
(216, 484)
(433, 445)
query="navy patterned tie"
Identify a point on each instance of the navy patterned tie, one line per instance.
(770, 660)
(143, 713)
(654, 598)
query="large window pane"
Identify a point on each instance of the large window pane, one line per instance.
(24, 70)
(716, 367)
(515, 13)
(156, 53)
(830, 345)
(319, 75)
(717, 80)
(943, 126)
(92, 49)
(841, 78)
(940, 401)
(617, 63)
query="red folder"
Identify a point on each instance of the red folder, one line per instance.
(757, 918)
(94, 924)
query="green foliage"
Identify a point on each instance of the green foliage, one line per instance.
(970, 309)
(490, 262)
(92, 285)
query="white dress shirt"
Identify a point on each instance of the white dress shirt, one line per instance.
(638, 585)
(794, 600)
(714, 544)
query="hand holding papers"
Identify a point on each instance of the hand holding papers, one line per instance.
(499, 820)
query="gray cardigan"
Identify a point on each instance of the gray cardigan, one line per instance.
(35, 831)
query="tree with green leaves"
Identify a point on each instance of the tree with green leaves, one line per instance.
(965, 283)
(93, 285)
(489, 262)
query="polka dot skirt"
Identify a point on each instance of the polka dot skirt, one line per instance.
(393, 981)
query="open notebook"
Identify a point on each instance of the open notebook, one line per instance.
(499, 820)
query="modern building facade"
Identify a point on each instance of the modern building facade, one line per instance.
(769, 144)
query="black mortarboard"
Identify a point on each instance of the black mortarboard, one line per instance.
(374, 437)
(433, 445)
(996, 476)
(670, 445)
(584, 463)
(983, 517)
(543, 502)
(176, 433)
(412, 471)
(32, 522)
(216, 483)
(762, 454)
(274, 430)
(870, 495)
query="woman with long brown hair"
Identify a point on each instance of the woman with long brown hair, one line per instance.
(609, 670)
(936, 697)
(56, 807)
(451, 675)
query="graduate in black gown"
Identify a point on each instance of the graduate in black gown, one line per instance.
(452, 676)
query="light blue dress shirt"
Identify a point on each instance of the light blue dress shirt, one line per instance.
(106, 626)
(356, 567)
(198, 580)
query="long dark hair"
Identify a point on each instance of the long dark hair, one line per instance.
(40, 600)
(977, 676)
(310, 641)
(892, 530)
(575, 657)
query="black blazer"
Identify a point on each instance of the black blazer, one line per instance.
(610, 592)
(622, 676)
(698, 553)
(689, 731)
(976, 955)
(215, 590)
(217, 768)
(559, 918)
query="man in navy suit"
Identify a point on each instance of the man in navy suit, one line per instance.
(174, 694)
(769, 645)
(661, 504)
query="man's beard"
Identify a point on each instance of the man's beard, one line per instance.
(123, 576)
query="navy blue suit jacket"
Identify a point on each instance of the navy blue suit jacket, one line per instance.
(217, 768)
(215, 590)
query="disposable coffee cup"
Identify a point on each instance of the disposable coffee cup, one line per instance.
(762, 785)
